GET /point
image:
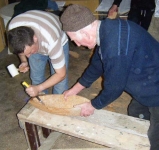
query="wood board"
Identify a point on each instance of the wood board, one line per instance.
(123, 132)
(57, 104)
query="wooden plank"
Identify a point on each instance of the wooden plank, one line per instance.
(103, 117)
(118, 121)
(89, 149)
(50, 141)
(25, 111)
(105, 128)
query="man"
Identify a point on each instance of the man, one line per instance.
(141, 11)
(127, 57)
(37, 35)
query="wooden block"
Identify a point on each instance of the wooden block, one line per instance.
(105, 128)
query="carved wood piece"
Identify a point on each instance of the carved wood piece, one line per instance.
(56, 104)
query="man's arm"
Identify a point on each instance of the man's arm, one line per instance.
(74, 90)
(22, 58)
(93, 71)
(23, 67)
(117, 2)
(114, 9)
(59, 75)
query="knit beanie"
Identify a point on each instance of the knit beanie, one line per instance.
(76, 17)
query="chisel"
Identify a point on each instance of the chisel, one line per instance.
(26, 85)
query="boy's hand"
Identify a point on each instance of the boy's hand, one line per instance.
(23, 67)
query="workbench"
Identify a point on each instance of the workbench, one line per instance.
(103, 127)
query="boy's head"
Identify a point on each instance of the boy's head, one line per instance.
(19, 38)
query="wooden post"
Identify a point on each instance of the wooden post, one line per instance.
(32, 135)
(46, 132)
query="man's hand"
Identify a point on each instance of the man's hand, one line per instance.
(69, 93)
(32, 90)
(74, 90)
(112, 10)
(86, 109)
(23, 67)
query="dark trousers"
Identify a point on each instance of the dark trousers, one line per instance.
(141, 16)
(153, 132)
(135, 109)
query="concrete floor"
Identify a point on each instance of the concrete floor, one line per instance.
(13, 98)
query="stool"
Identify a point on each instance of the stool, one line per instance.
(103, 127)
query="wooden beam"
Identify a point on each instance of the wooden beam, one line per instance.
(50, 141)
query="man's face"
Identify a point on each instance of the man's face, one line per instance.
(81, 39)
(29, 50)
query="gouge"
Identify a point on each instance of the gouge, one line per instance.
(26, 85)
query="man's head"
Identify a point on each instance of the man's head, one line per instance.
(22, 40)
(80, 25)
(76, 17)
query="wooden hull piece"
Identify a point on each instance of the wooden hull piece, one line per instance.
(56, 104)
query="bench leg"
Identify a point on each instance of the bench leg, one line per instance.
(46, 132)
(32, 135)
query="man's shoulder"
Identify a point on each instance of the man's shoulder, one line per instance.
(32, 17)
(38, 13)
(110, 24)
(113, 22)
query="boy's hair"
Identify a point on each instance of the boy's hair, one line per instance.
(20, 37)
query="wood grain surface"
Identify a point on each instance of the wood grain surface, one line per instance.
(57, 104)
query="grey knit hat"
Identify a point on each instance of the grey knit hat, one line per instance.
(76, 17)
